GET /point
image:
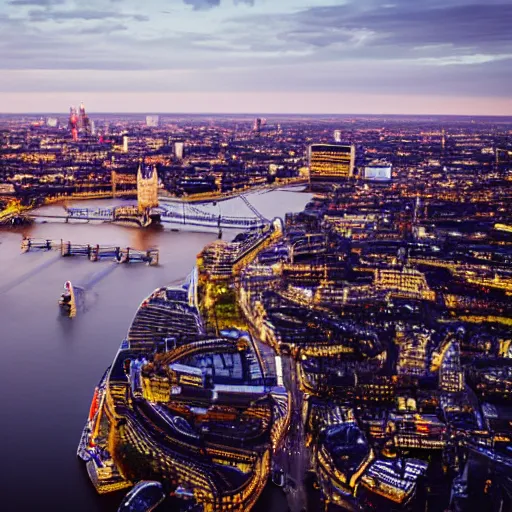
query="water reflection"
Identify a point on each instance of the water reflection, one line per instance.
(144, 239)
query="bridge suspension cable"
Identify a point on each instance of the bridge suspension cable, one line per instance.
(252, 208)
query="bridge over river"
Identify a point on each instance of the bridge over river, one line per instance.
(173, 215)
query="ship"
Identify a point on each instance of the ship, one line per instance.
(144, 497)
(67, 301)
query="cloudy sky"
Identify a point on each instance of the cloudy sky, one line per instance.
(305, 56)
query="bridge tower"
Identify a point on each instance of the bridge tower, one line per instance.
(147, 188)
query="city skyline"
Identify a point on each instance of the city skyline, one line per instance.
(259, 313)
(243, 56)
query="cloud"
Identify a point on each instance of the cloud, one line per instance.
(103, 28)
(367, 29)
(464, 59)
(40, 3)
(81, 14)
(440, 47)
(416, 23)
(202, 5)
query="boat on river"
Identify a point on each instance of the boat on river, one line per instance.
(67, 301)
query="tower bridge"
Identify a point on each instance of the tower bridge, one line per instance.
(149, 210)
(186, 215)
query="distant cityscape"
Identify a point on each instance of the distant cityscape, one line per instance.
(356, 355)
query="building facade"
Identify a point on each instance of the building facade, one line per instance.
(331, 162)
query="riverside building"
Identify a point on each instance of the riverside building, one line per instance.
(331, 162)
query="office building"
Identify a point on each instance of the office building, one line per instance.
(258, 124)
(331, 162)
(179, 148)
(378, 172)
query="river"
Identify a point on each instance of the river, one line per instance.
(50, 364)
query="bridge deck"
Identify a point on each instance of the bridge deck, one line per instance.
(190, 215)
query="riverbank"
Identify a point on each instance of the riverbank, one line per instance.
(218, 196)
(62, 359)
(11, 212)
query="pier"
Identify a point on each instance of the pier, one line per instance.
(92, 252)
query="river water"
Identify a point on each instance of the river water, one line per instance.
(51, 364)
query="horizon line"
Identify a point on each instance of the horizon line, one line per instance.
(258, 114)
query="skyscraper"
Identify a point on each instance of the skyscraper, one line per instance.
(257, 125)
(83, 121)
(73, 123)
(178, 150)
(451, 377)
(337, 136)
(331, 162)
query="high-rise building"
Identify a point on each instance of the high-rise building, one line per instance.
(125, 144)
(83, 121)
(73, 123)
(337, 136)
(152, 121)
(451, 377)
(179, 148)
(331, 162)
(257, 125)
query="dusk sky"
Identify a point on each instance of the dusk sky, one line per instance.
(260, 56)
